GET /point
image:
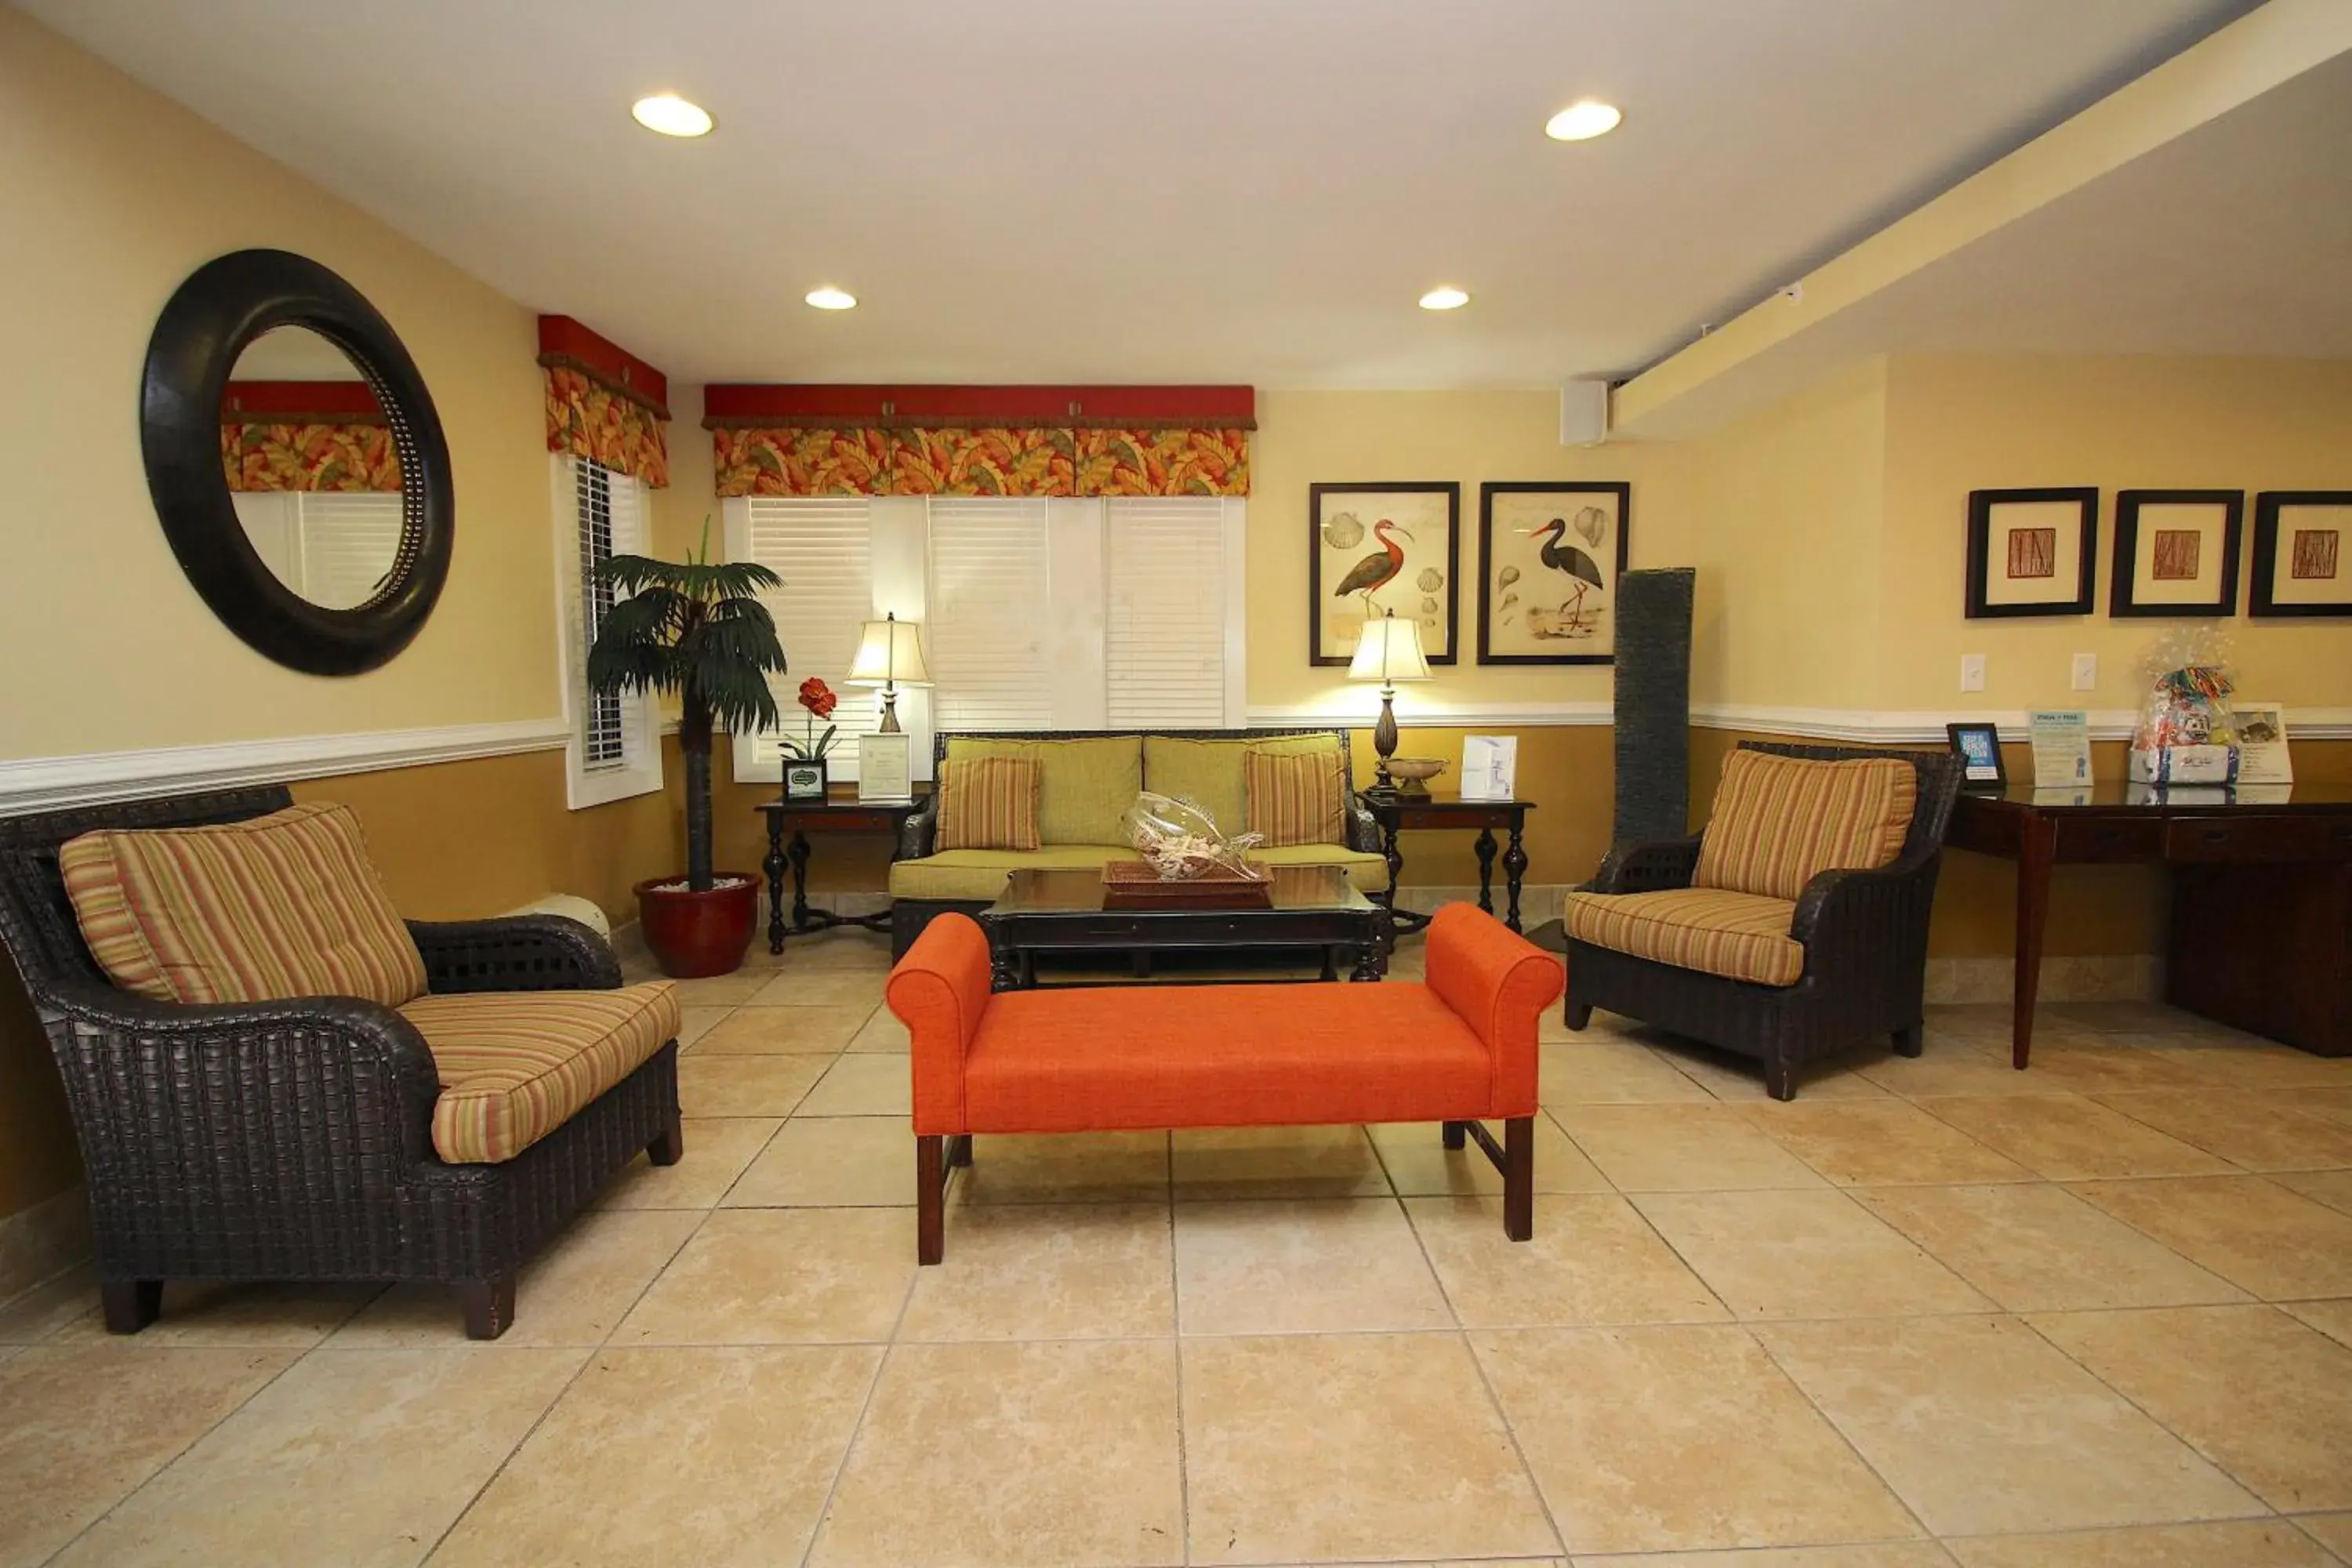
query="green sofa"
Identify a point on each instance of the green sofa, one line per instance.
(1086, 783)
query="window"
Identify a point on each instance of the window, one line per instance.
(332, 548)
(1164, 632)
(613, 751)
(822, 547)
(990, 592)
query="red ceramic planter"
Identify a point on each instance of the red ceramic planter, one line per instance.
(693, 934)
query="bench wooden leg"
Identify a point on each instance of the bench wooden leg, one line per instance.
(930, 1200)
(1519, 1178)
(130, 1305)
(1452, 1134)
(959, 1149)
(489, 1306)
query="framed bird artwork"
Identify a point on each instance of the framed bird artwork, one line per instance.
(1550, 552)
(1378, 548)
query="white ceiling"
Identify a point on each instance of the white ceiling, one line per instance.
(1139, 190)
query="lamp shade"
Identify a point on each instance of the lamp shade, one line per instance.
(889, 650)
(1390, 651)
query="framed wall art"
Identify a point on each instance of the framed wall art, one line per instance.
(1549, 555)
(2032, 552)
(2302, 554)
(1375, 548)
(2176, 552)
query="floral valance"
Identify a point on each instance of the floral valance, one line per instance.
(603, 402)
(1004, 462)
(315, 457)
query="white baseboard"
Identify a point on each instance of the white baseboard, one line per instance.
(35, 1243)
(45, 783)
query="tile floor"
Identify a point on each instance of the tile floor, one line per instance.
(1934, 1313)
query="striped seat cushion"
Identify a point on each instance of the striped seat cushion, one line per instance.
(1740, 936)
(988, 802)
(1295, 798)
(280, 906)
(1779, 822)
(516, 1064)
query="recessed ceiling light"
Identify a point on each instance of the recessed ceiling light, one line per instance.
(1582, 121)
(671, 115)
(832, 298)
(1447, 299)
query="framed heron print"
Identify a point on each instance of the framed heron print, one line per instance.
(1378, 548)
(1549, 554)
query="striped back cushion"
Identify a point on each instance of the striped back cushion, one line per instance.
(1298, 798)
(282, 906)
(988, 802)
(1779, 822)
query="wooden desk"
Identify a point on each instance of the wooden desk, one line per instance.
(2262, 908)
(801, 818)
(1399, 811)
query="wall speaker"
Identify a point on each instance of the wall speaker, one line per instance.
(1654, 640)
(1584, 412)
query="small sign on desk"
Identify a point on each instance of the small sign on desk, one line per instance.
(1490, 766)
(885, 768)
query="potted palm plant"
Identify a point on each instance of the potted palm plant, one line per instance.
(696, 628)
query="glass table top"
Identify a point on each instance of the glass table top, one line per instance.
(1078, 889)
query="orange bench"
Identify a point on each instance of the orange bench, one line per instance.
(1458, 1049)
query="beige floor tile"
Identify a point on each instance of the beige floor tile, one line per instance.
(1682, 1148)
(1354, 1446)
(2251, 1232)
(2253, 1130)
(1657, 1439)
(250, 1316)
(1873, 1554)
(715, 1084)
(841, 948)
(782, 1031)
(721, 989)
(574, 1293)
(2268, 1398)
(2128, 1018)
(2111, 1064)
(2234, 1543)
(1013, 1455)
(2332, 1531)
(352, 1457)
(1593, 1260)
(2332, 1188)
(821, 987)
(1609, 1072)
(2254, 1064)
(820, 1162)
(697, 1021)
(781, 1276)
(717, 1148)
(1307, 1266)
(87, 1423)
(1943, 1071)
(1419, 1165)
(2068, 1138)
(1984, 1428)
(2041, 1249)
(1727, 1075)
(1881, 1142)
(883, 1032)
(1064, 1167)
(870, 1085)
(2336, 1104)
(1804, 1254)
(719, 1457)
(1048, 1271)
(2333, 1319)
(1276, 1162)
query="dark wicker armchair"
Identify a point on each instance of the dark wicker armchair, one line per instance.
(1865, 935)
(292, 1140)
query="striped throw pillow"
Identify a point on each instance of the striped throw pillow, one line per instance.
(988, 802)
(280, 906)
(1300, 798)
(1779, 822)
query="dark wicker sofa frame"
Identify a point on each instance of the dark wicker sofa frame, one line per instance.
(293, 1139)
(1865, 936)
(909, 916)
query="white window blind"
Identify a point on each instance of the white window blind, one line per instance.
(988, 600)
(615, 751)
(1164, 633)
(823, 549)
(334, 548)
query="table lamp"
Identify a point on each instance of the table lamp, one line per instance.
(1389, 652)
(889, 655)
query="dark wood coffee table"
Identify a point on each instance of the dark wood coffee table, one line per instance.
(1315, 907)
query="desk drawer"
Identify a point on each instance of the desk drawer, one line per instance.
(2108, 840)
(2274, 838)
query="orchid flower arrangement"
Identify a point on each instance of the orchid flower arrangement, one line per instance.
(820, 700)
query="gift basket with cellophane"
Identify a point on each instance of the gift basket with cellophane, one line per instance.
(2187, 731)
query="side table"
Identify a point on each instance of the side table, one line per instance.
(1396, 812)
(801, 818)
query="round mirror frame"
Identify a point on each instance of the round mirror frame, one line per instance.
(223, 306)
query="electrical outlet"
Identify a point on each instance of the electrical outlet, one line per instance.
(2087, 672)
(1972, 672)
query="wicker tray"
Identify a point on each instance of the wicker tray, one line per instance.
(1132, 885)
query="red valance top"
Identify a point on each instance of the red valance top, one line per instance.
(564, 342)
(863, 408)
(301, 403)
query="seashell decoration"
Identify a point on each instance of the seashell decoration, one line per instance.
(1509, 599)
(1508, 575)
(1430, 579)
(1429, 607)
(1344, 532)
(1591, 525)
